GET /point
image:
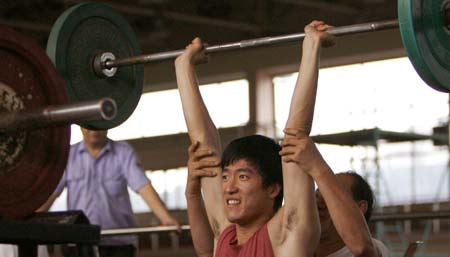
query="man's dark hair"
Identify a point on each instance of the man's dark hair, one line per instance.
(262, 153)
(361, 190)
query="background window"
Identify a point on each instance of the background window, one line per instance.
(170, 185)
(390, 95)
(160, 113)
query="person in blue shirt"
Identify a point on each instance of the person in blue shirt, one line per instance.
(97, 175)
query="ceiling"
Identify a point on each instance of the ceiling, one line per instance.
(163, 25)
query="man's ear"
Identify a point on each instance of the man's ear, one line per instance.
(273, 190)
(363, 205)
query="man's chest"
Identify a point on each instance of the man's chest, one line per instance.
(84, 169)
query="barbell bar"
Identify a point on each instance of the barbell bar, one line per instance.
(50, 116)
(106, 64)
(97, 53)
(264, 41)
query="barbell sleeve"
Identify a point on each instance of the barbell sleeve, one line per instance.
(51, 116)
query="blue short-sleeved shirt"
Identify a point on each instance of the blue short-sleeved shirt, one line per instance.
(98, 186)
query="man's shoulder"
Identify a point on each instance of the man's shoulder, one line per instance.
(76, 145)
(382, 249)
(74, 148)
(345, 251)
(121, 145)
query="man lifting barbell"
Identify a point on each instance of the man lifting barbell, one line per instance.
(345, 234)
(425, 39)
(240, 201)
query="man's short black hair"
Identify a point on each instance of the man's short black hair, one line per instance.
(262, 153)
(361, 190)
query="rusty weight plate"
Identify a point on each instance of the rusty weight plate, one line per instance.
(31, 163)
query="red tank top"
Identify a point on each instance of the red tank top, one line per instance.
(257, 246)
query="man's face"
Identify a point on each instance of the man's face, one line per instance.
(327, 228)
(326, 224)
(94, 138)
(245, 198)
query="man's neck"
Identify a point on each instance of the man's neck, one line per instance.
(327, 247)
(246, 231)
(94, 150)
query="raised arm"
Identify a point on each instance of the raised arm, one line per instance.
(344, 212)
(299, 148)
(151, 198)
(301, 111)
(300, 228)
(346, 215)
(201, 129)
(202, 235)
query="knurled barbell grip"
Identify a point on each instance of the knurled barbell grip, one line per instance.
(51, 116)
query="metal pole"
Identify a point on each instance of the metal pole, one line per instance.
(58, 115)
(141, 230)
(376, 217)
(410, 216)
(338, 31)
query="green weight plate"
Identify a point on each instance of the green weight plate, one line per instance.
(79, 34)
(31, 163)
(427, 39)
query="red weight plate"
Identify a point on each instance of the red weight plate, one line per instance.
(31, 163)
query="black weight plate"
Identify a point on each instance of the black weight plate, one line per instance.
(426, 39)
(78, 35)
